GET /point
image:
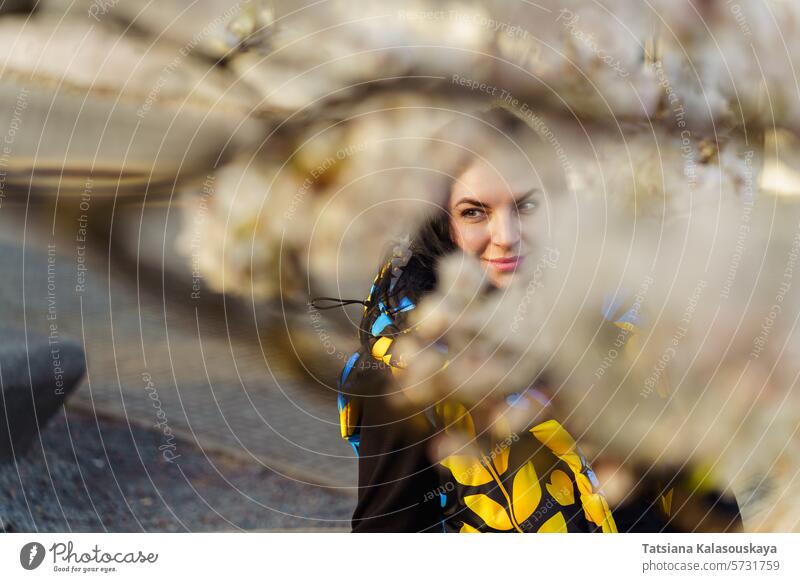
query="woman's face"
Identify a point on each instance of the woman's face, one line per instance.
(491, 208)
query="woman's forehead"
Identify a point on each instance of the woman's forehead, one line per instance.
(494, 182)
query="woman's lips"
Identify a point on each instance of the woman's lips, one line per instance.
(506, 265)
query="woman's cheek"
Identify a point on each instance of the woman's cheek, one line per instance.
(533, 231)
(473, 238)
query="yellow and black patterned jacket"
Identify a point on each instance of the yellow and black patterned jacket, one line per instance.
(536, 480)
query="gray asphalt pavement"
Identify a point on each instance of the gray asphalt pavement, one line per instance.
(96, 474)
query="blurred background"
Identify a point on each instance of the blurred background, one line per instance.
(194, 412)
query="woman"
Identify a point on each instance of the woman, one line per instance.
(535, 480)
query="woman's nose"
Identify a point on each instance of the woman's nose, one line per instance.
(506, 230)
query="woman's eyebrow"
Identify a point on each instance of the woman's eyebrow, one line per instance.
(472, 201)
(522, 197)
(517, 200)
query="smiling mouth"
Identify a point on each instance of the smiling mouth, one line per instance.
(506, 265)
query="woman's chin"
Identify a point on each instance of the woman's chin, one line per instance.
(501, 279)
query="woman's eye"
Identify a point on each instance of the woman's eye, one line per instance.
(472, 213)
(527, 206)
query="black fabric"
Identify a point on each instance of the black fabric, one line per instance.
(394, 472)
(642, 513)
